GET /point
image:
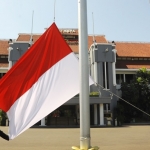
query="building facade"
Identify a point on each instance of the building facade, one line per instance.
(110, 64)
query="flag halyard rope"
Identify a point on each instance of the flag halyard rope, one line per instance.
(123, 100)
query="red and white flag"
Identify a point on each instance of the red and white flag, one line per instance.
(45, 77)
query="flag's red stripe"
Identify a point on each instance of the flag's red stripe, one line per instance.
(47, 51)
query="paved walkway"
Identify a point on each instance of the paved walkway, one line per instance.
(115, 138)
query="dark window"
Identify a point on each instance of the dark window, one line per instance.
(119, 78)
(2, 74)
(129, 78)
(107, 115)
(107, 77)
(103, 75)
(3, 58)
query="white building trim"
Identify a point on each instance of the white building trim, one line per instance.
(4, 69)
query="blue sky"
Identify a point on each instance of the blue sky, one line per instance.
(119, 20)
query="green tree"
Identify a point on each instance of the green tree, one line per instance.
(138, 94)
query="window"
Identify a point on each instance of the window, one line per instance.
(107, 107)
(129, 78)
(2, 74)
(140, 58)
(119, 78)
(118, 58)
(3, 58)
(105, 75)
(134, 58)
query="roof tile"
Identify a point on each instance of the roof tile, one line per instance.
(126, 49)
(3, 47)
(75, 48)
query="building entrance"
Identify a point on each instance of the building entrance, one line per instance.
(64, 115)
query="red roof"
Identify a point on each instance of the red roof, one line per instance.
(126, 49)
(75, 47)
(137, 66)
(3, 47)
(26, 37)
(98, 39)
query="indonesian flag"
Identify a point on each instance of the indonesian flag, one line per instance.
(45, 77)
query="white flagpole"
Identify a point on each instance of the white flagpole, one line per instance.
(84, 76)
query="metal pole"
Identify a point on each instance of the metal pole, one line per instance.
(31, 37)
(84, 76)
(54, 9)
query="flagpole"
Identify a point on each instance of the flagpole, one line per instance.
(84, 76)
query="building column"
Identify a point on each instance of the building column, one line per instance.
(43, 122)
(10, 65)
(95, 114)
(124, 77)
(10, 62)
(78, 114)
(101, 111)
(120, 81)
(107, 108)
(114, 73)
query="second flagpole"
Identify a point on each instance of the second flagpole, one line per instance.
(84, 76)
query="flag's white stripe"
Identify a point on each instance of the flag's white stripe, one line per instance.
(47, 94)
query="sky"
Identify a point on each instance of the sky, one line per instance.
(118, 20)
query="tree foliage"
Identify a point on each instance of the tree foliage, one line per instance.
(138, 94)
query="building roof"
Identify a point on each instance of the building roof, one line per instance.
(3, 47)
(129, 49)
(74, 47)
(26, 37)
(124, 49)
(98, 39)
(137, 66)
